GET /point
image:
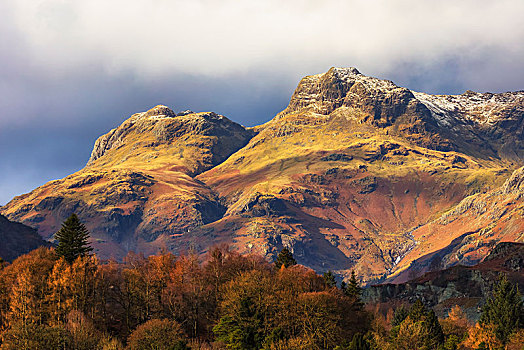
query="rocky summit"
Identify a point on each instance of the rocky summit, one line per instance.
(356, 173)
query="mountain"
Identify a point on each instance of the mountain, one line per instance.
(139, 181)
(17, 239)
(466, 286)
(356, 173)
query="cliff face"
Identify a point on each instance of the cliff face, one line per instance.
(354, 174)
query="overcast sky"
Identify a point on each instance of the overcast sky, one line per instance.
(70, 70)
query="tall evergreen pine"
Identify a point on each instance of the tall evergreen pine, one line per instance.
(435, 333)
(285, 257)
(72, 239)
(401, 313)
(417, 311)
(353, 288)
(504, 309)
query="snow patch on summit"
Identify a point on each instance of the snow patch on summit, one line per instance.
(480, 108)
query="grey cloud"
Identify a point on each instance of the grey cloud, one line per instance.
(71, 70)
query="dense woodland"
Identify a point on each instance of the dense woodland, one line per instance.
(65, 298)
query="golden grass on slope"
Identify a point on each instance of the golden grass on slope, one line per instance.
(281, 151)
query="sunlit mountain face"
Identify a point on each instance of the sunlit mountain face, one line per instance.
(356, 173)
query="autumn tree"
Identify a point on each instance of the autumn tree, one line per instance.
(516, 341)
(144, 282)
(223, 264)
(504, 309)
(455, 327)
(23, 311)
(158, 334)
(188, 297)
(27, 280)
(320, 318)
(73, 287)
(285, 258)
(483, 337)
(411, 335)
(72, 239)
(419, 329)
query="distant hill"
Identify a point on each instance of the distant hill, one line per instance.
(356, 173)
(17, 239)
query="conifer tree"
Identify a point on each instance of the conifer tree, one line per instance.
(504, 309)
(285, 257)
(401, 313)
(434, 329)
(417, 311)
(329, 278)
(353, 288)
(72, 239)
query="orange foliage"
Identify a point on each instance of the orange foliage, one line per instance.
(482, 334)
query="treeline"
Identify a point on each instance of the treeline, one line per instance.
(227, 301)
(242, 302)
(65, 298)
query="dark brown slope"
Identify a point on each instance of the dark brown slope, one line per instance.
(17, 239)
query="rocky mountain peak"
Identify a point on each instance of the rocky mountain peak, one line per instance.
(159, 111)
(342, 73)
(195, 140)
(345, 87)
